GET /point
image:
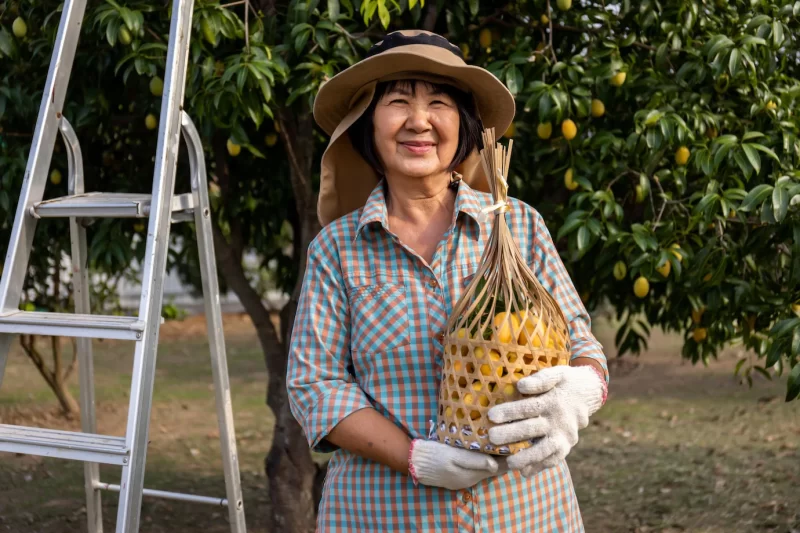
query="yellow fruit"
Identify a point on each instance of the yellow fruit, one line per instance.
(494, 355)
(598, 108)
(448, 412)
(511, 357)
(569, 129)
(156, 86)
(468, 399)
(138, 228)
(712, 132)
(271, 139)
(697, 315)
(665, 269)
(569, 182)
(512, 129)
(620, 270)
(457, 366)
(796, 308)
(19, 27)
(732, 213)
(233, 148)
(478, 352)
(459, 413)
(675, 251)
(151, 122)
(641, 287)
(771, 105)
(509, 389)
(483, 401)
(124, 36)
(477, 385)
(545, 19)
(486, 370)
(618, 79)
(55, 176)
(474, 414)
(464, 49)
(544, 131)
(505, 324)
(639, 194)
(699, 334)
(564, 5)
(485, 38)
(682, 156)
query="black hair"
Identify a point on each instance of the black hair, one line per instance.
(362, 132)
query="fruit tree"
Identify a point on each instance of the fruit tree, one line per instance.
(658, 140)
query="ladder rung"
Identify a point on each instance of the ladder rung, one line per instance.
(71, 325)
(106, 205)
(180, 496)
(63, 444)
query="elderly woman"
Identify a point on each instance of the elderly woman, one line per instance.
(402, 233)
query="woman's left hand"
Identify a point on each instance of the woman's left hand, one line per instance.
(565, 398)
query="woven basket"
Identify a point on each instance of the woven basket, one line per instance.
(505, 326)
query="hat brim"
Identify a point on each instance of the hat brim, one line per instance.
(494, 101)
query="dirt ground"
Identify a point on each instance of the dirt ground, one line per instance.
(677, 448)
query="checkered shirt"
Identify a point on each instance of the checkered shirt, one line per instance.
(368, 333)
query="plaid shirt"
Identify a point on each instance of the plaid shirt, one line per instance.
(368, 334)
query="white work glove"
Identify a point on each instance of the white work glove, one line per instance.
(565, 398)
(439, 465)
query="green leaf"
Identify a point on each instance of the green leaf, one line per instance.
(755, 197)
(584, 237)
(762, 148)
(777, 33)
(545, 105)
(572, 222)
(473, 7)
(796, 341)
(752, 135)
(333, 10)
(743, 163)
(514, 80)
(780, 203)
(734, 62)
(793, 383)
(752, 157)
(383, 13)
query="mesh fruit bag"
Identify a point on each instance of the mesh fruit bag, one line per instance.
(505, 326)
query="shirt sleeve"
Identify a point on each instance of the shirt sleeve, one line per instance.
(555, 278)
(322, 392)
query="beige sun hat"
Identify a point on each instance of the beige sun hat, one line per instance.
(346, 179)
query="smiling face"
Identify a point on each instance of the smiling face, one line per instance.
(416, 130)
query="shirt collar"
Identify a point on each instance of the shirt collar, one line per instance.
(468, 201)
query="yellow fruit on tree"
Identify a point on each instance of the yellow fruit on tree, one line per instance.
(569, 182)
(569, 129)
(464, 49)
(675, 250)
(156, 86)
(598, 108)
(771, 105)
(124, 36)
(618, 79)
(665, 269)
(55, 176)
(138, 227)
(697, 315)
(544, 130)
(620, 270)
(639, 194)
(151, 122)
(271, 139)
(641, 287)
(564, 5)
(233, 148)
(485, 38)
(545, 19)
(19, 27)
(682, 156)
(699, 334)
(511, 131)
(796, 308)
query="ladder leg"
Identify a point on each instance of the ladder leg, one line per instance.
(80, 287)
(153, 272)
(44, 136)
(216, 339)
(5, 348)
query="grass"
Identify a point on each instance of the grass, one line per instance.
(676, 448)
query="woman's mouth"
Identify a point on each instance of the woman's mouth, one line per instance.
(417, 147)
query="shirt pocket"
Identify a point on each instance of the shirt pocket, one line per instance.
(379, 317)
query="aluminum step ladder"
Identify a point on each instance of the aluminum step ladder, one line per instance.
(162, 208)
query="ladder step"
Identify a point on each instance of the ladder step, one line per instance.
(71, 325)
(166, 495)
(63, 444)
(106, 205)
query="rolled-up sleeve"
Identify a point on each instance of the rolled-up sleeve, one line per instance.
(554, 276)
(321, 390)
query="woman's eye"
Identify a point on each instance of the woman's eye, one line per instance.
(398, 101)
(438, 102)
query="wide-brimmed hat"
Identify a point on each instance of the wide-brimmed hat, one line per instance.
(346, 179)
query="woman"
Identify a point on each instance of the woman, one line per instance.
(402, 232)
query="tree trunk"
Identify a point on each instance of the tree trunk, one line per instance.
(56, 379)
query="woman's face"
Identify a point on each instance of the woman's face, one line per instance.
(416, 135)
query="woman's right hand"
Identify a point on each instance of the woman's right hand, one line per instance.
(439, 465)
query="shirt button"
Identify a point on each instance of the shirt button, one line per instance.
(440, 336)
(466, 497)
(432, 283)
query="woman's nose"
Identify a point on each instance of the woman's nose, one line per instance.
(418, 119)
